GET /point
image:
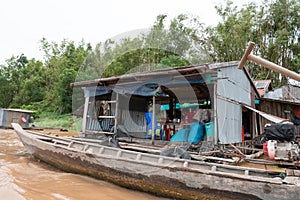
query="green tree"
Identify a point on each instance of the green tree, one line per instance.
(32, 86)
(5, 95)
(65, 92)
(61, 62)
(274, 27)
(277, 36)
(11, 76)
(161, 47)
(226, 41)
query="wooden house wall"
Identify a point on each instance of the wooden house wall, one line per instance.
(291, 93)
(275, 108)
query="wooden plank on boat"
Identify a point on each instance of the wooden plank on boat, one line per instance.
(198, 157)
(272, 162)
(292, 180)
(255, 155)
(243, 155)
(150, 149)
(159, 143)
(248, 148)
(141, 149)
(140, 145)
(292, 172)
(209, 152)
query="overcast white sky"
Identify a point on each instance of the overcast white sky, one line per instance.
(25, 22)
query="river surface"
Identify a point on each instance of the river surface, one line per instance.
(23, 177)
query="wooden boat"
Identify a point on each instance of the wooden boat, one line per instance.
(160, 175)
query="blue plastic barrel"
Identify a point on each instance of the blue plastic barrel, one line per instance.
(180, 136)
(196, 132)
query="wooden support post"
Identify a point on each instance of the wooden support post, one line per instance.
(255, 125)
(84, 117)
(216, 132)
(116, 113)
(261, 124)
(153, 117)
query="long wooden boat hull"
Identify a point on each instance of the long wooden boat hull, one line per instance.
(163, 176)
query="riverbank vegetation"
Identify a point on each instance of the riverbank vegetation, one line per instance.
(44, 85)
(53, 120)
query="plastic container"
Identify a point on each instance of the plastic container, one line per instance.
(196, 132)
(180, 136)
(209, 131)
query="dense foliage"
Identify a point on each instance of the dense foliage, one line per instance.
(45, 85)
(274, 27)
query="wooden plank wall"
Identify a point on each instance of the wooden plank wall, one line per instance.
(279, 109)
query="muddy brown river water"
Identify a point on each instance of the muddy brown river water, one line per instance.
(23, 177)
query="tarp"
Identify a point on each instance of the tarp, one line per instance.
(281, 132)
(145, 88)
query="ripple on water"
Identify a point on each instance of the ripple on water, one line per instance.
(8, 189)
(59, 196)
(23, 177)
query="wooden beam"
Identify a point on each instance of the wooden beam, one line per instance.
(84, 117)
(246, 54)
(215, 120)
(153, 117)
(116, 113)
(258, 60)
(239, 151)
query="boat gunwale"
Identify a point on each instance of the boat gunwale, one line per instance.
(214, 167)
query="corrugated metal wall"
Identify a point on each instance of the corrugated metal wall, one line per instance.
(2, 118)
(233, 87)
(229, 122)
(9, 116)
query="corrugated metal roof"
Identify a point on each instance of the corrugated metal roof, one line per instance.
(185, 71)
(262, 86)
(281, 101)
(142, 76)
(275, 94)
(285, 94)
(18, 110)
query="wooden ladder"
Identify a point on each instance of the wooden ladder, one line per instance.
(115, 116)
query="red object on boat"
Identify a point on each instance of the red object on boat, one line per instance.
(243, 133)
(265, 148)
(269, 148)
(23, 119)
